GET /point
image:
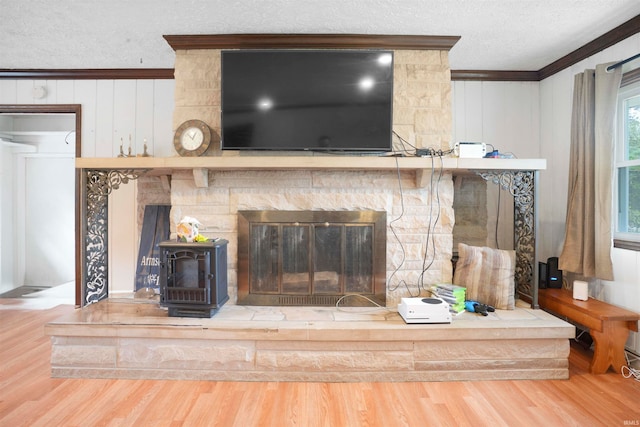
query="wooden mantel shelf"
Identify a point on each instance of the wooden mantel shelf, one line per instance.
(307, 162)
(165, 165)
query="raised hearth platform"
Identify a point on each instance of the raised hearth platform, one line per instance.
(129, 338)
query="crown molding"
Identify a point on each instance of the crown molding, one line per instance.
(495, 75)
(599, 44)
(89, 74)
(307, 41)
(606, 40)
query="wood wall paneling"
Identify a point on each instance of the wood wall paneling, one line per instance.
(8, 92)
(24, 92)
(64, 91)
(467, 112)
(124, 116)
(105, 123)
(144, 114)
(161, 141)
(85, 93)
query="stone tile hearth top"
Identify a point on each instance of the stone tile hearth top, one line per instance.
(131, 317)
(138, 311)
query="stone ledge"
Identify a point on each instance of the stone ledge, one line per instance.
(136, 339)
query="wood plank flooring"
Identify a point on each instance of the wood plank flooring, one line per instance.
(29, 397)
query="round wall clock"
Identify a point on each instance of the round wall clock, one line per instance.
(192, 138)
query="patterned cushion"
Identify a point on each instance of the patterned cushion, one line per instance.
(488, 274)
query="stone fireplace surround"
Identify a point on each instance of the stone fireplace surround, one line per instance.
(217, 205)
(135, 339)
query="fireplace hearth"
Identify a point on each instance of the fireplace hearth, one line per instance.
(311, 258)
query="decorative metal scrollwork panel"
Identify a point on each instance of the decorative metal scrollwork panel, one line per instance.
(99, 184)
(521, 185)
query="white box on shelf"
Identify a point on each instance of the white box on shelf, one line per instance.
(471, 150)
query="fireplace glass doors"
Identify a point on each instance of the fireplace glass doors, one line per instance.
(311, 257)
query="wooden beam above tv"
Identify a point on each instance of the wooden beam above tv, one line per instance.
(310, 41)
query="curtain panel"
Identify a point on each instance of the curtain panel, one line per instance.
(588, 232)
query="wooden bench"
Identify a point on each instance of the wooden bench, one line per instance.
(608, 325)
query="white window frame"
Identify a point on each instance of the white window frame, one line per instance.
(623, 239)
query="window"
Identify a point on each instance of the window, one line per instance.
(627, 168)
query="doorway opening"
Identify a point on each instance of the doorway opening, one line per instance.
(39, 223)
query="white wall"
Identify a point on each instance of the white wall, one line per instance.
(6, 219)
(48, 235)
(112, 110)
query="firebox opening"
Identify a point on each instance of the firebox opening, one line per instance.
(311, 257)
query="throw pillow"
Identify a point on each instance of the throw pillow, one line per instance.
(488, 274)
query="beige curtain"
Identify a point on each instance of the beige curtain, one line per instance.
(587, 242)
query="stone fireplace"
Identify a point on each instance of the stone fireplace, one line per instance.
(419, 212)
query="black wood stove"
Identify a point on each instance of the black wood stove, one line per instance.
(193, 277)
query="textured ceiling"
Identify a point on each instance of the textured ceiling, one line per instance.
(496, 35)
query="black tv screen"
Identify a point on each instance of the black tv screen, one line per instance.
(325, 100)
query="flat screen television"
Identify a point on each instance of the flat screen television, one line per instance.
(323, 100)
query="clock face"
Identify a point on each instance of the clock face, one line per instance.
(192, 138)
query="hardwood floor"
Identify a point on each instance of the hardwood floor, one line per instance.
(29, 397)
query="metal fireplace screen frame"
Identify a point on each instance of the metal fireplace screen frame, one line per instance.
(311, 257)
